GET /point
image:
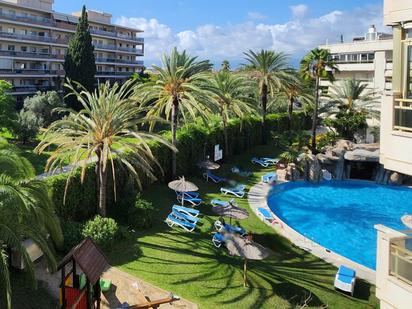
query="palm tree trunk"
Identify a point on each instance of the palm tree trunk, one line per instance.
(315, 115)
(290, 113)
(226, 137)
(264, 99)
(175, 112)
(102, 176)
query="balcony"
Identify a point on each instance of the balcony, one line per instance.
(110, 73)
(28, 19)
(123, 61)
(31, 89)
(114, 34)
(401, 260)
(114, 47)
(31, 72)
(21, 54)
(29, 37)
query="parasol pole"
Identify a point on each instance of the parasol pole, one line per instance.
(244, 273)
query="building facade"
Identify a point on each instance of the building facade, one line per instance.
(368, 59)
(396, 115)
(34, 39)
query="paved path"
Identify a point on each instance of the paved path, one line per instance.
(257, 197)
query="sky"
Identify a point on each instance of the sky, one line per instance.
(224, 29)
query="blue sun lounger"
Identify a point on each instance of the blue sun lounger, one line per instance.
(238, 171)
(218, 239)
(217, 202)
(189, 211)
(183, 216)
(216, 179)
(219, 226)
(269, 177)
(238, 191)
(265, 214)
(195, 201)
(171, 221)
(271, 161)
(345, 279)
(188, 194)
(260, 162)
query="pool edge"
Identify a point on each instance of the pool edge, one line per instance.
(257, 197)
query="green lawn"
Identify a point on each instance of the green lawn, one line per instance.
(189, 265)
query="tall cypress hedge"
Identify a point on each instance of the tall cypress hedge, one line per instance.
(194, 142)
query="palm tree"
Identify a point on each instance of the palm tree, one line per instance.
(352, 95)
(26, 211)
(231, 93)
(225, 65)
(295, 90)
(177, 91)
(108, 121)
(317, 64)
(269, 69)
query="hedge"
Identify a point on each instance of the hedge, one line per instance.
(194, 142)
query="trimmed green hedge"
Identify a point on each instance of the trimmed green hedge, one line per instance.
(195, 141)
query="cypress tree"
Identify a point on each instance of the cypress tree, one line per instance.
(79, 64)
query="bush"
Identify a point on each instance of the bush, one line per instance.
(347, 123)
(72, 232)
(27, 126)
(42, 105)
(141, 215)
(103, 231)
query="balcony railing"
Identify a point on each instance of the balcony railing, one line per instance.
(125, 61)
(22, 54)
(28, 19)
(401, 261)
(114, 47)
(110, 73)
(30, 37)
(32, 71)
(32, 88)
(116, 35)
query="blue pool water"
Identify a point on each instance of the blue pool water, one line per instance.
(340, 215)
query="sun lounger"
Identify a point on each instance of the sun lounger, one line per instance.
(195, 201)
(188, 194)
(237, 191)
(260, 162)
(265, 215)
(216, 179)
(326, 175)
(219, 226)
(271, 161)
(238, 171)
(171, 221)
(189, 211)
(218, 239)
(217, 202)
(185, 217)
(269, 177)
(345, 279)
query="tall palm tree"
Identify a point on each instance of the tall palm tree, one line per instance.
(108, 121)
(231, 93)
(26, 211)
(270, 70)
(317, 64)
(295, 90)
(177, 91)
(225, 65)
(352, 95)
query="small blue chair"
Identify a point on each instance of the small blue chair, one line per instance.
(188, 194)
(216, 179)
(195, 201)
(217, 202)
(345, 279)
(270, 177)
(218, 239)
(186, 217)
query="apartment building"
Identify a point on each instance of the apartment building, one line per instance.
(34, 39)
(394, 248)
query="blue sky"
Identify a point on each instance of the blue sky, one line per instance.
(220, 29)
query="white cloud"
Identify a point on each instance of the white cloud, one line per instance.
(253, 15)
(229, 41)
(299, 11)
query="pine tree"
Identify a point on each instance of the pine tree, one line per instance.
(79, 62)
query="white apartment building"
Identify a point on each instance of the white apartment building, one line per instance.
(367, 58)
(394, 255)
(34, 39)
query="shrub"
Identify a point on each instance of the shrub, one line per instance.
(141, 215)
(103, 231)
(26, 126)
(42, 105)
(72, 232)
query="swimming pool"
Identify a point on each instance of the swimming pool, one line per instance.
(340, 215)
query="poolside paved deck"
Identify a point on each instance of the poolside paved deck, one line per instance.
(257, 197)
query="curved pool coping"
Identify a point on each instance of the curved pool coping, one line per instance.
(258, 196)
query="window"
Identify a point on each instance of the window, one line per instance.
(10, 30)
(403, 116)
(23, 48)
(10, 47)
(409, 73)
